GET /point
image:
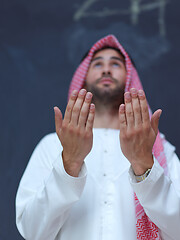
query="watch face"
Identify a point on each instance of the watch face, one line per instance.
(144, 176)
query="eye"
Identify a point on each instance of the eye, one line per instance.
(116, 64)
(97, 64)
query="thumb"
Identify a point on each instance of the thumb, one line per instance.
(155, 120)
(58, 119)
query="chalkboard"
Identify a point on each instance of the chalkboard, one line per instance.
(41, 44)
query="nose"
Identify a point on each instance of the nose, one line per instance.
(106, 70)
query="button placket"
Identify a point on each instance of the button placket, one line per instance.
(107, 200)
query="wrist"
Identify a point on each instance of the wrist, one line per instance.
(140, 169)
(71, 167)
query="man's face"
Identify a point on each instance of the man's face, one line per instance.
(106, 75)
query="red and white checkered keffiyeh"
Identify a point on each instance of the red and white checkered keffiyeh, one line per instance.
(145, 228)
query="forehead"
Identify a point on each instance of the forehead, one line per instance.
(107, 54)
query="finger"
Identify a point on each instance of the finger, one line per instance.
(136, 107)
(85, 110)
(122, 118)
(71, 102)
(129, 110)
(144, 107)
(77, 107)
(155, 120)
(58, 119)
(90, 119)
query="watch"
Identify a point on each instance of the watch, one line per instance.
(144, 176)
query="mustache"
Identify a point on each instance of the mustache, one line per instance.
(106, 76)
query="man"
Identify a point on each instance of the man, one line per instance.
(92, 181)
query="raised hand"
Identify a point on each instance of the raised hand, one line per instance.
(137, 131)
(75, 130)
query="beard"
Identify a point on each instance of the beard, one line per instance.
(106, 95)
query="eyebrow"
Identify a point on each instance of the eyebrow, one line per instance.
(115, 58)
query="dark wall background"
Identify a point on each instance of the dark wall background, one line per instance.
(41, 43)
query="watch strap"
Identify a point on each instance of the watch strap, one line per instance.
(144, 176)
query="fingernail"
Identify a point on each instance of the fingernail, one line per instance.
(88, 95)
(92, 106)
(122, 107)
(74, 93)
(128, 95)
(141, 93)
(159, 113)
(82, 92)
(133, 91)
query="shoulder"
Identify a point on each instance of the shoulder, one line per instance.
(49, 144)
(50, 138)
(169, 149)
(172, 160)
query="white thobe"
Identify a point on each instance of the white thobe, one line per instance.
(99, 203)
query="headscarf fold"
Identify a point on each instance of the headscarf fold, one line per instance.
(145, 228)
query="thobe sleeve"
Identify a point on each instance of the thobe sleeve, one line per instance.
(159, 194)
(46, 193)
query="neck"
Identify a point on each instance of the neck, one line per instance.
(106, 118)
